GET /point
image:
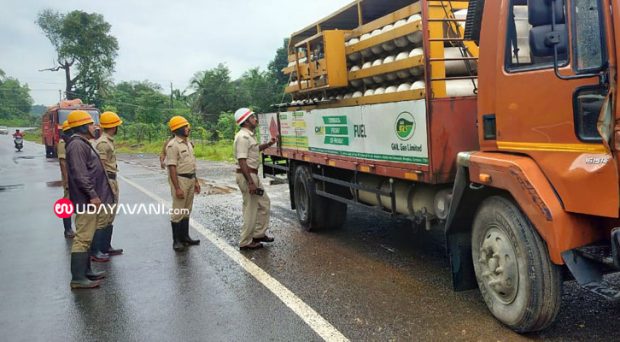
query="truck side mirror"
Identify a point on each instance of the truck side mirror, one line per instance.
(543, 40)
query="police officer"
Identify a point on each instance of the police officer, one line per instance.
(256, 203)
(162, 154)
(62, 154)
(181, 165)
(88, 185)
(109, 122)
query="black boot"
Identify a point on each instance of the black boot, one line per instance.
(177, 245)
(93, 275)
(96, 247)
(66, 222)
(185, 234)
(108, 242)
(79, 264)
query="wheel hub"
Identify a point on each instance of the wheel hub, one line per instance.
(499, 267)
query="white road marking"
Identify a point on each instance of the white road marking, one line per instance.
(312, 318)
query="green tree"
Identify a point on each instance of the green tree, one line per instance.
(15, 100)
(213, 93)
(258, 89)
(151, 107)
(280, 62)
(226, 126)
(84, 44)
(139, 102)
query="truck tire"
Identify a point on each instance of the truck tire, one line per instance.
(516, 278)
(314, 212)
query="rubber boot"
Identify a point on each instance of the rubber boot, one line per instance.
(177, 245)
(108, 242)
(188, 241)
(93, 275)
(69, 233)
(79, 264)
(96, 247)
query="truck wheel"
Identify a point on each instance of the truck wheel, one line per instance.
(517, 280)
(313, 211)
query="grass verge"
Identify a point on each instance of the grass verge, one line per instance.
(217, 151)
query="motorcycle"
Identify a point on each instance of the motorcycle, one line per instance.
(19, 143)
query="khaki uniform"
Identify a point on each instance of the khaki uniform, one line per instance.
(61, 151)
(180, 153)
(105, 148)
(162, 154)
(255, 208)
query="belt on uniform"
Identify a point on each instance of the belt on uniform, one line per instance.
(112, 175)
(187, 175)
(249, 168)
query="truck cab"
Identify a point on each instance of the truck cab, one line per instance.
(52, 119)
(539, 203)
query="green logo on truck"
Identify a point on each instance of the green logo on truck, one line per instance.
(405, 126)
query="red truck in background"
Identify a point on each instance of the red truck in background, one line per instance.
(51, 122)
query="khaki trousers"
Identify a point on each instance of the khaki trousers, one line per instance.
(85, 226)
(114, 186)
(187, 186)
(255, 211)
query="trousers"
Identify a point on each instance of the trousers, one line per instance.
(182, 208)
(255, 211)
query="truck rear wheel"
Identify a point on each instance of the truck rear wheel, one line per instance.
(313, 211)
(517, 280)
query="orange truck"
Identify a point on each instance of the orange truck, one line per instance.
(495, 121)
(51, 122)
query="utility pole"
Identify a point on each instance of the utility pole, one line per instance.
(59, 95)
(170, 95)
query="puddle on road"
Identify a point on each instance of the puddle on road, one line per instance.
(21, 157)
(215, 189)
(54, 184)
(11, 187)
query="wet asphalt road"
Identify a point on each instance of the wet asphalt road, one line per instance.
(374, 279)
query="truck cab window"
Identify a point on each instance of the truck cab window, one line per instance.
(528, 28)
(588, 36)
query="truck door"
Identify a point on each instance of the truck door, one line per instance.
(552, 116)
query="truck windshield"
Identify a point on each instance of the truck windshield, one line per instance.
(588, 35)
(63, 114)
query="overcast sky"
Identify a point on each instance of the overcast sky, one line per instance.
(161, 41)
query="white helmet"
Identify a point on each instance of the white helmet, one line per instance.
(242, 114)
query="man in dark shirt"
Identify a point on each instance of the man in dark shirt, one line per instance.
(88, 188)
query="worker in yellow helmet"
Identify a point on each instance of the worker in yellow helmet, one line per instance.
(101, 247)
(181, 164)
(61, 152)
(88, 187)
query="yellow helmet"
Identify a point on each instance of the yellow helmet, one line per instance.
(65, 126)
(79, 118)
(109, 120)
(177, 122)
